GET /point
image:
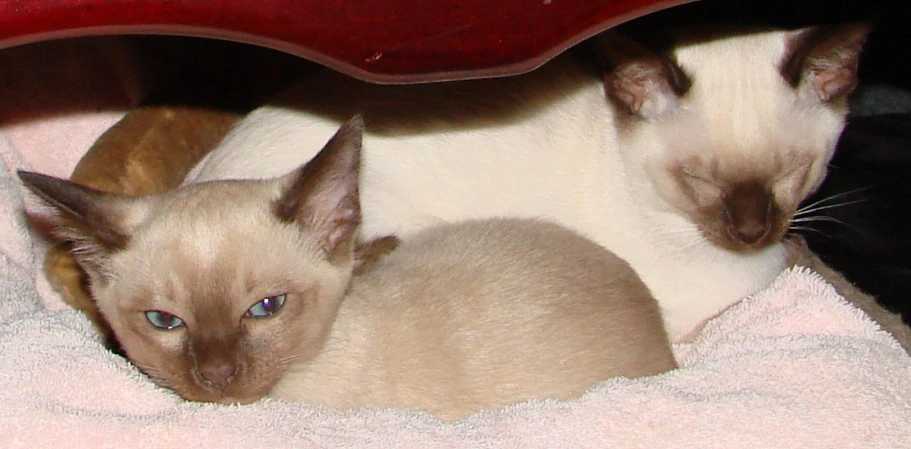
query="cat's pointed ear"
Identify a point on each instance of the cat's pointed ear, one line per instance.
(821, 62)
(93, 220)
(643, 82)
(323, 196)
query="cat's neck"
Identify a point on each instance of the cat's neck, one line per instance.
(692, 278)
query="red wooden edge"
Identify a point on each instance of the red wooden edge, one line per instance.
(384, 41)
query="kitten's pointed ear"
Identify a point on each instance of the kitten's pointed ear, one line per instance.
(640, 80)
(822, 61)
(323, 196)
(91, 219)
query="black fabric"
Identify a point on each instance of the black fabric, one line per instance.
(864, 231)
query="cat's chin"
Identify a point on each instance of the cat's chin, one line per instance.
(729, 242)
(238, 401)
(237, 393)
(231, 398)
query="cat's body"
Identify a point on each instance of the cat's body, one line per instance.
(229, 291)
(691, 176)
(479, 315)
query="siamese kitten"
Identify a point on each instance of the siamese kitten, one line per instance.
(687, 163)
(231, 290)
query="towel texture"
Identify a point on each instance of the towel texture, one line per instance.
(793, 366)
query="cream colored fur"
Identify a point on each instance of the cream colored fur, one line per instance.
(480, 315)
(548, 145)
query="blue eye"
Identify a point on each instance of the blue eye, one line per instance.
(164, 320)
(266, 307)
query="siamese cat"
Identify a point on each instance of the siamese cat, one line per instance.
(688, 163)
(228, 291)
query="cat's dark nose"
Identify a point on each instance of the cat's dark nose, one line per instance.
(219, 375)
(749, 210)
(751, 231)
(214, 360)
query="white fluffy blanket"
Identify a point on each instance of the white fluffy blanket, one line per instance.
(795, 366)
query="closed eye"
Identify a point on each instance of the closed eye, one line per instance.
(795, 170)
(699, 188)
(164, 320)
(690, 175)
(266, 307)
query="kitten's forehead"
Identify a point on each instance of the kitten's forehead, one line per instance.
(740, 110)
(739, 94)
(219, 243)
(762, 51)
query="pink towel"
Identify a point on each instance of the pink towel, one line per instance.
(793, 367)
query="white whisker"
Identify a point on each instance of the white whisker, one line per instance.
(804, 211)
(819, 218)
(154, 374)
(286, 361)
(683, 250)
(805, 228)
(816, 218)
(832, 197)
(682, 231)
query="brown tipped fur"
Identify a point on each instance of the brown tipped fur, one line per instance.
(730, 155)
(150, 150)
(825, 60)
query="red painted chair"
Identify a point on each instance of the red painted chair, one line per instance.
(389, 41)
